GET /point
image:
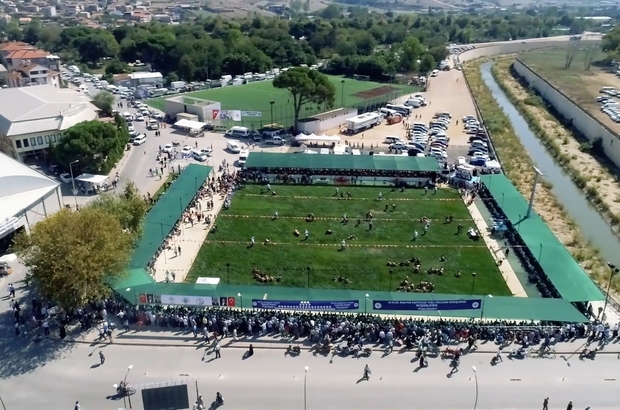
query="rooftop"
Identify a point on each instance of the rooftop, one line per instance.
(21, 186)
(41, 108)
(358, 162)
(144, 75)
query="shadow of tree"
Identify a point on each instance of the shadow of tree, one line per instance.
(27, 352)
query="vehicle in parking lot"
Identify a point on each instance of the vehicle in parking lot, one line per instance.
(65, 177)
(139, 117)
(152, 124)
(233, 147)
(206, 151)
(186, 150)
(199, 156)
(140, 139)
(167, 148)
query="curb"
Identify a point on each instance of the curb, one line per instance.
(283, 346)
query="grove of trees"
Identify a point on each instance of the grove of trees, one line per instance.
(355, 41)
(97, 145)
(73, 256)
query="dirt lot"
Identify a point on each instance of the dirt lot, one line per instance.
(447, 92)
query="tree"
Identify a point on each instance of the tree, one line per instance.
(306, 86)
(105, 102)
(72, 256)
(427, 63)
(129, 208)
(97, 145)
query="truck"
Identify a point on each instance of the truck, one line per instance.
(363, 122)
(176, 85)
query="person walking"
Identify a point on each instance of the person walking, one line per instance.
(546, 404)
(101, 357)
(367, 372)
(77, 406)
(218, 355)
(570, 406)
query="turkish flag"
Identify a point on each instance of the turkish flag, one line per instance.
(143, 298)
(231, 302)
(216, 114)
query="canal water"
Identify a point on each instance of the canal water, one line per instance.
(587, 218)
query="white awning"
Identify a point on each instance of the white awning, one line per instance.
(194, 125)
(312, 137)
(92, 179)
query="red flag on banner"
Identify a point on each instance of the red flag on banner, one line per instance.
(216, 114)
(231, 302)
(143, 298)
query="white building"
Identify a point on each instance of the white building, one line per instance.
(29, 74)
(27, 197)
(33, 117)
(141, 78)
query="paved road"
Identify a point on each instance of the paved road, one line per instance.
(271, 380)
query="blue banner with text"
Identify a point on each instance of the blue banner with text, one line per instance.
(305, 305)
(417, 305)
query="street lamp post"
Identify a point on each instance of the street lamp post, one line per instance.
(531, 203)
(308, 276)
(476, 380)
(473, 282)
(366, 303)
(228, 272)
(342, 93)
(613, 271)
(73, 181)
(305, 384)
(240, 299)
(125, 393)
(390, 288)
(271, 103)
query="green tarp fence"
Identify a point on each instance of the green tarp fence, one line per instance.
(160, 221)
(571, 281)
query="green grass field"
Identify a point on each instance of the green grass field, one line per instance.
(577, 82)
(256, 96)
(364, 261)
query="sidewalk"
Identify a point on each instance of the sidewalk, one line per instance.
(159, 337)
(497, 252)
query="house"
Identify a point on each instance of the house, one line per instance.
(141, 16)
(33, 117)
(29, 74)
(49, 12)
(139, 79)
(13, 54)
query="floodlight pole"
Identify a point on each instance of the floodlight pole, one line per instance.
(73, 181)
(531, 204)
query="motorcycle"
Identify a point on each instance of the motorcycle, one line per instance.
(295, 349)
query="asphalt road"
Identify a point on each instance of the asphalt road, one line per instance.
(272, 380)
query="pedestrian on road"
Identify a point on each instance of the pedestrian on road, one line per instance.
(179, 248)
(546, 404)
(498, 356)
(101, 357)
(570, 406)
(11, 291)
(77, 405)
(217, 351)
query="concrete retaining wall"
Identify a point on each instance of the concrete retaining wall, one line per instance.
(588, 125)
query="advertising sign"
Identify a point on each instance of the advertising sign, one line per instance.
(251, 114)
(421, 305)
(187, 300)
(322, 305)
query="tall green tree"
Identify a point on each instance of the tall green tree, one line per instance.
(105, 102)
(306, 87)
(97, 145)
(72, 255)
(129, 207)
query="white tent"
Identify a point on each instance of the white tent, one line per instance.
(92, 179)
(193, 125)
(312, 137)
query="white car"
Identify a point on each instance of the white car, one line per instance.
(167, 148)
(131, 128)
(206, 151)
(139, 117)
(66, 178)
(186, 150)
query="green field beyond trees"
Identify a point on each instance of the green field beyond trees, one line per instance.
(364, 261)
(257, 96)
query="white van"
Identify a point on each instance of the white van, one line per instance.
(139, 140)
(388, 112)
(391, 140)
(243, 157)
(401, 109)
(233, 147)
(239, 132)
(152, 124)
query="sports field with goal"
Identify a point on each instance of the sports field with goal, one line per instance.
(257, 96)
(378, 255)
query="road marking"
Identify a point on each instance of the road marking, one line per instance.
(610, 380)
(515, 380)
